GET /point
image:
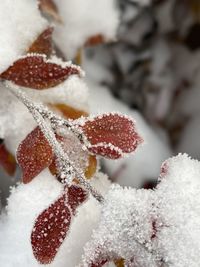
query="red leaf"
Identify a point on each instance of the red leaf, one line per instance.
(111, 135)
(7, 161)
(34, 71)
(76, 196)
(50, 230)
(34, 154)
(43, 44)
(52, 225)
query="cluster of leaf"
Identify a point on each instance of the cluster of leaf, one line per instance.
(108, 135)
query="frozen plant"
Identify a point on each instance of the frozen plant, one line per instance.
(65, 212)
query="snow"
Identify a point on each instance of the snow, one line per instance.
(72, 92)
(19, 31)
(171, 213)
(123, 228)
(178, 201)
(82, 20)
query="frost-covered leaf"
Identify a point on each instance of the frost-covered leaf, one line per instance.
(76, 195)
(111, 135)
(50, 230)
(43, 44)
(49, 8)
(52, 225)
(34, 154)
(7, 160)
(35, 71)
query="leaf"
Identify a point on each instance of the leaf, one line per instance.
(95, 40)
(50, 230)
(119, 263)
(92, 166)
(34, 154)
(69, 112)
(76, 195)
(49, 8)
(43, 44)
(111, 135)
(7, 160)
(35, 71)
(52, 225)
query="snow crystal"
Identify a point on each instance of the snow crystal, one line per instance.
(125, 228)
(82, 20)
(20, 24)
(178, 207)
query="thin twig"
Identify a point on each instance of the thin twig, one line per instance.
(39, 112)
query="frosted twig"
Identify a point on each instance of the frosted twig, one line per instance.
(39, 112)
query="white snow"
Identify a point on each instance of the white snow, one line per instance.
(83, 19)
(126, 223)
(178, 208)
(20, 24)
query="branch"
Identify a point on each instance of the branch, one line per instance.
(41, 113)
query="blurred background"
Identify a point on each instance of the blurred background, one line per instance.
(154, 67)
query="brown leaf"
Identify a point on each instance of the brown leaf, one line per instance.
(50, 230)
(91, 168)
(34, 71)
(52, 225)
(7, 160)
(34, 154)
(95, 40)
(43, 44)
(69, 112)
(111, 135)
(49, 8)
(76, 195)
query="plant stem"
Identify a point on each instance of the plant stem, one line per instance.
(39, 112)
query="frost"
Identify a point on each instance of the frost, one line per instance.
(149, 227)
(125, 228)
(178, 208)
